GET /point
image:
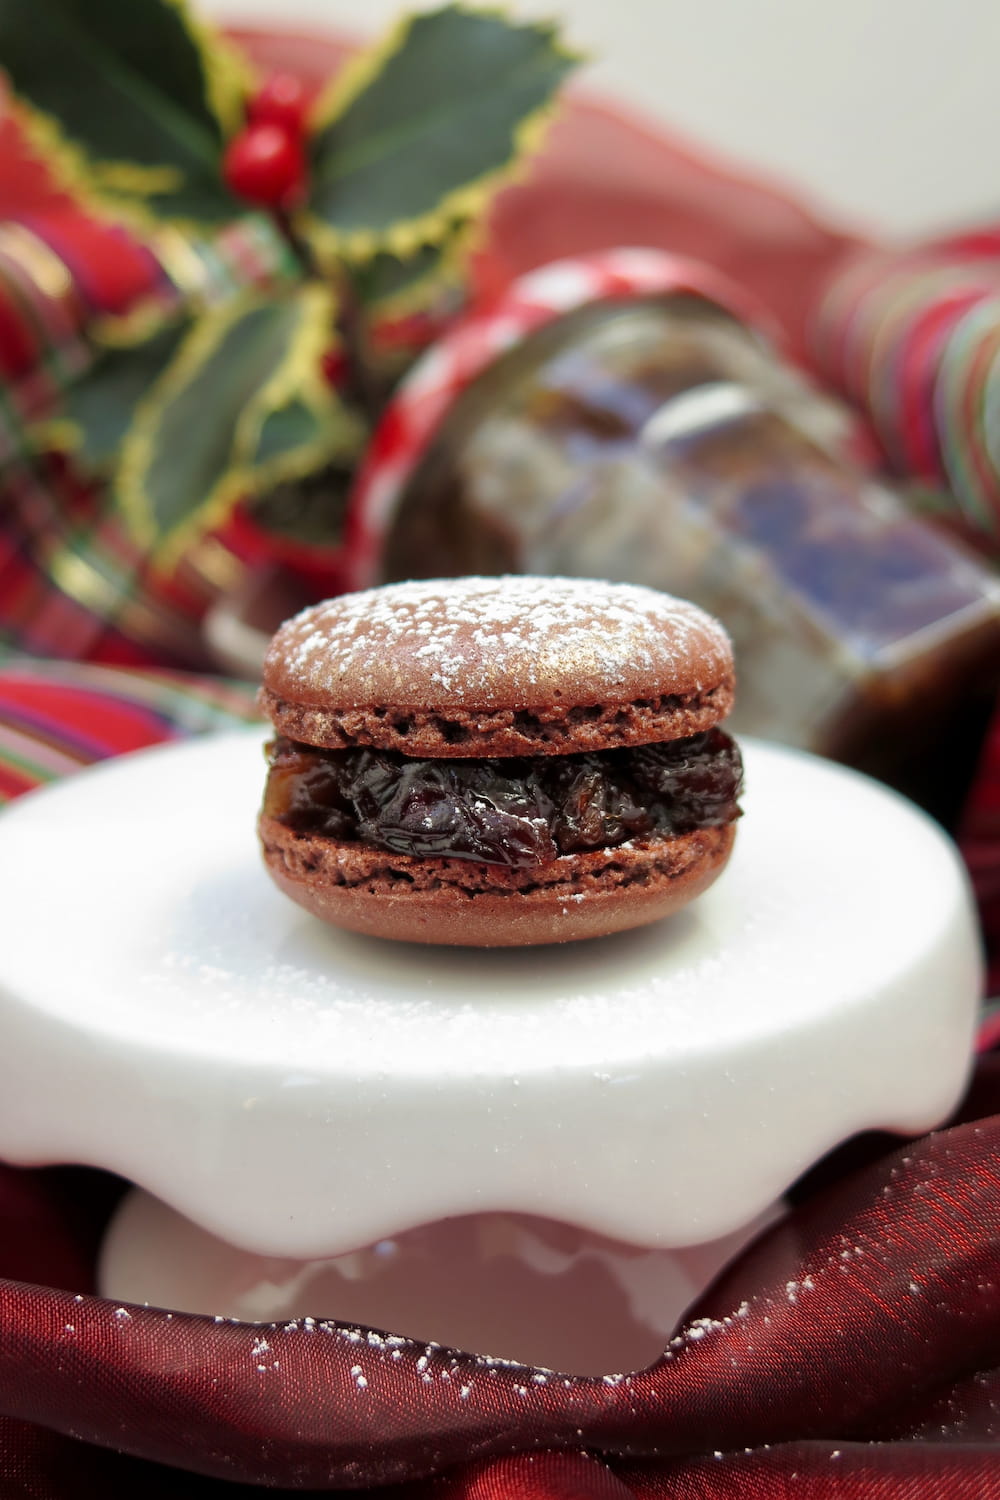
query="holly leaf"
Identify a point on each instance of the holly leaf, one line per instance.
(242, 405)
(388, 278)
(99, 406)
(296, 425)
(421, 131)
(306, 434)
(394, 285)
(129, 101)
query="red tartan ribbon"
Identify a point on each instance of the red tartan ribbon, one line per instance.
(56, 719)
(912, 338)
(73, 581)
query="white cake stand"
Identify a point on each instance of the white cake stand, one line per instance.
(298, 1092)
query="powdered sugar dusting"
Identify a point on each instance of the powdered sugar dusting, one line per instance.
(478, 641)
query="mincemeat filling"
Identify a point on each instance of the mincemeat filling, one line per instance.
(520, 811)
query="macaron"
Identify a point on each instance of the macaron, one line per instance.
(498, 761)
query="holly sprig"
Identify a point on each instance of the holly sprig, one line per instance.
(147, 114)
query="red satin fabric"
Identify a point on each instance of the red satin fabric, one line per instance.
(854, 1350)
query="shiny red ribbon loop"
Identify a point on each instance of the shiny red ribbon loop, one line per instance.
(858, 1340)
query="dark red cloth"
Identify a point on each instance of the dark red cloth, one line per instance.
(979, 837)
(855, 1349)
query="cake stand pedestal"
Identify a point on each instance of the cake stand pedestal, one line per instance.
(297, 1092)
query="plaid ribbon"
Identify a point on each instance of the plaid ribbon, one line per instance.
(74, 585)
(912, 338)
(72, 582)
(56, 718)
(41, 317)
(43, 314)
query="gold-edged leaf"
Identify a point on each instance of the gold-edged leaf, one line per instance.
(301, 437)
(98, 408)
(131, 102)
(420, 131)
(290, 428)
(210, 431)
(391, 286)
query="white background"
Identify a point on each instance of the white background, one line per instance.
(887, 111)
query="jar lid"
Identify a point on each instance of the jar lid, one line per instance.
(475, 341)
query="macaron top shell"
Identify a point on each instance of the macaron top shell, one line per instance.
(496, 666)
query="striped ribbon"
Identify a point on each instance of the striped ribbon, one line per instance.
(73, 583)
(57, 718)
(912, 338)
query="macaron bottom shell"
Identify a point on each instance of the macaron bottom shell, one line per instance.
(461, 903)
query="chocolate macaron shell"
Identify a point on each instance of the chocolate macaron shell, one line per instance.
(506, 666)
(457, 903)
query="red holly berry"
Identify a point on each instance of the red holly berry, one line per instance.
(334, 366)
(265, 164)
(282, 101)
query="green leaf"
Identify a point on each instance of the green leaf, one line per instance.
(99, 406)
(130, 100)
(386, 277)
(296, 439)
(427, 126)
(243, 404)
(393, 283)
(296, 425)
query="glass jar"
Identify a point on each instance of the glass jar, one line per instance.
(661, 441)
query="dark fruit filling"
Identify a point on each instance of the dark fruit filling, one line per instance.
(519, 812)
